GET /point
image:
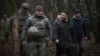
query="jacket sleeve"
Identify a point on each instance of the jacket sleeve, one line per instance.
(73, 33)
(55, 30)
(24, 30)
(49, 27)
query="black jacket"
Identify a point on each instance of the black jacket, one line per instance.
(64, 32)
(80, 28)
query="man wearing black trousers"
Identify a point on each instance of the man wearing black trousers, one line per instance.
(63, 35)
(80, 29)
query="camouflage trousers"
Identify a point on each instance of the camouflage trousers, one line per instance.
(36, 49)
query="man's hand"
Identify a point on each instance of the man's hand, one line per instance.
(24, 43)
(57, 41)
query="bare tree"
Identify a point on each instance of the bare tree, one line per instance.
(98, 22)
(5, 7)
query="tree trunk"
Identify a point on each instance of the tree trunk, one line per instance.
(15, 36)
(15, 45)
(4, 8)
(98, 23)
(34, 3)
(19, 2)
(90, 20)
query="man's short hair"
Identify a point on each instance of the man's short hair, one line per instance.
(39, 8)
(65, 12)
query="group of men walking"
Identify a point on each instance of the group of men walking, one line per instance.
(64, 32)
(67, 32)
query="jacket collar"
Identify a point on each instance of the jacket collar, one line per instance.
(75, 18)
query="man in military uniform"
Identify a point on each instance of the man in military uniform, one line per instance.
(4, 27)
(36, 42)
(4, 31)
(23, 14)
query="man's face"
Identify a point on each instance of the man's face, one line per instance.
(25, 10)
(78, 15)
(39, 13)
(59, 17)
(5, 16)
(64, 16)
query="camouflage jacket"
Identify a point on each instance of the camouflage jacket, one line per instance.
(4, 28)
(31, 22)
(22, 18)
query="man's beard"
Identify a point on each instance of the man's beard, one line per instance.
(39, 17)
(63, 20)
(78, 17)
